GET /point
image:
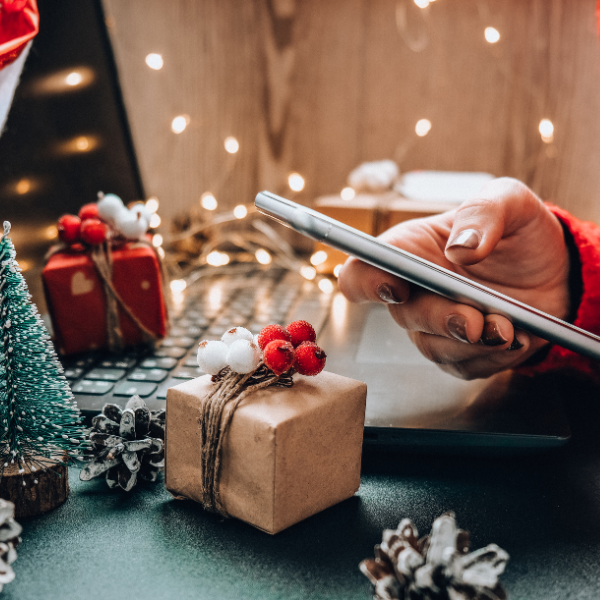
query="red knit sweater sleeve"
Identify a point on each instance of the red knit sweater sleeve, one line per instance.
(587, 240)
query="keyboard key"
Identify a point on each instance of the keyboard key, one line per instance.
(130, 388)
(106, 374)
(171, 352)
(191, 360)
(188, 373)
(82, 363)
(153, 375)
(118, 363)
(73, 373)
(159, 363)
(93, 388)
(182, 342)
(161, 394)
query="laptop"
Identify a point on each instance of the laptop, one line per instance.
(410, 404)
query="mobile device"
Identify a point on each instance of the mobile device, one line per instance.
(426, 274)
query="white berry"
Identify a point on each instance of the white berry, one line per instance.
(212, 356)
(109, 206)
(237, 333)
(243, 356)
(140, 209)
(132, 226)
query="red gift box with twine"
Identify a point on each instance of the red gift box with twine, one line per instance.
(105, 297)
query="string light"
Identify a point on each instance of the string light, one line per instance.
(492, 35)
(347, 193)
(422, 127)
(155, 221)
(23, 186)
(546, 129)
(161, 251)
(157, 240)
(208, 201)
(217, 259)
(326, 286)
(179, 123)
(318, 258)
(296, 182)
(337, 269)
(152, 204)
(263, 257)
(308, 272)
(51, 232)
(154, 61)
(422, 3)
(231, 145)
(74, 78)
(178, 285)
(240, 211)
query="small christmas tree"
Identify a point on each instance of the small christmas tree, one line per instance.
(39, 420)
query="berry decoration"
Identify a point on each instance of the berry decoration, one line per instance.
(68, 229)
(88, 211)
(109, 206)
(243, 356)
(301, 331)
(272, 332)
(212, 356)
(278, 355)
(236, 333)
(310, 359)
(93, 232)
(130, 225)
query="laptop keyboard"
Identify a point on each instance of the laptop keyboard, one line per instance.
(204, 311)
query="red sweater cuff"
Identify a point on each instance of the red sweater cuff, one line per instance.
(587, 239)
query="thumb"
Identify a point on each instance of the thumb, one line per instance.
(502, 207)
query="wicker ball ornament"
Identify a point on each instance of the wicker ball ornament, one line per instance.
(127, 445)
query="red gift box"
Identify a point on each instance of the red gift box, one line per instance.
(77, 297)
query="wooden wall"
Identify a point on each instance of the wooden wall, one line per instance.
(317, 86)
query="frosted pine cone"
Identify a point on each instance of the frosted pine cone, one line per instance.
(435, 567)
(9, 540)
(126, 444)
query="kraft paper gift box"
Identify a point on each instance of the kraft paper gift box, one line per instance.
(289, 453)
(76, 297)
(372, 213)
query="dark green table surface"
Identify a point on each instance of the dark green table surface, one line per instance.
(543, 509)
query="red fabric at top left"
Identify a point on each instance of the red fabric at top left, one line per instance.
(19, 23)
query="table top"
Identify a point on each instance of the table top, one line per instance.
(543, 509)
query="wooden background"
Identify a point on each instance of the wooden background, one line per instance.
(318, 86)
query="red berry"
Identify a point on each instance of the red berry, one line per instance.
(93, 231)
(270, 333)
(278, 355)
(310, 359)
(88, 211)
(68, 228)
(301, 331)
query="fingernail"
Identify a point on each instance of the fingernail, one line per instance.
(386, 293)
(516, 344)
(457, 327)
(491, 335)
(469, 238)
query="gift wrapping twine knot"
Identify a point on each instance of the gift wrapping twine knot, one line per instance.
(216, 413)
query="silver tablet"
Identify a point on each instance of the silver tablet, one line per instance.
(426, 274)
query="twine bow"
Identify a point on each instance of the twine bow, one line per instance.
(231, 389)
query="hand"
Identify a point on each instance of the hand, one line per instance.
(506, 239)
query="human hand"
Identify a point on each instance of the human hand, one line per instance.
(506, 239)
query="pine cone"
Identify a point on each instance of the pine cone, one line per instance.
(123, 447)
(435, 567)
(9, 540)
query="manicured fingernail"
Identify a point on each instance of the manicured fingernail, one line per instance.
(516, 344)
(457, 327)
(386, 293)
(491, 335)
(469, 238)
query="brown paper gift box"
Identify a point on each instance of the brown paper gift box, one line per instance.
(289, 452)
